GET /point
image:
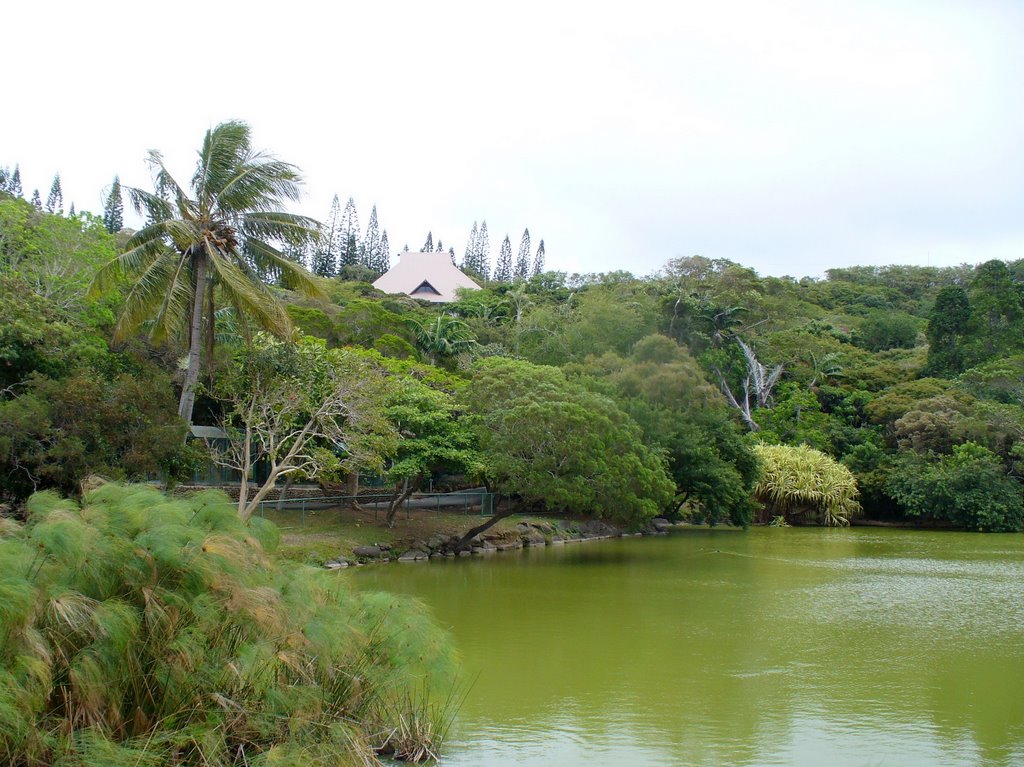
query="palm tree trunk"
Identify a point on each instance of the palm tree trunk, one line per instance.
(195, 339)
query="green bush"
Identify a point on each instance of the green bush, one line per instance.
(136, 629)
(801, 480)
(968, 488)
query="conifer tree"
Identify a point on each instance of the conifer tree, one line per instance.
(113, 209)
(384, 257)
(483, 252)
(538, 262)
(428, 246)
(523, 261)
(37, 200)
(469, 260)
(5, 179)
(440, 246)
(349, 235)
(503, 271)
(15, 183)
(324, 258)
(71, 211)
(451, 252)
(369, 252)
(406, 248)
(55, 200)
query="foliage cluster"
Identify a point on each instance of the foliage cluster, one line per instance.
(143, 630)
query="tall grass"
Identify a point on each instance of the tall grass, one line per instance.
(141, 630)
(803, 482)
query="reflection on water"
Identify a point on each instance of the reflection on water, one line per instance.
(774, 647)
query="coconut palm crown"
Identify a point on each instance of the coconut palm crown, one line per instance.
(216, 241)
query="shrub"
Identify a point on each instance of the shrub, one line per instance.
(801, 480)
(140, 629)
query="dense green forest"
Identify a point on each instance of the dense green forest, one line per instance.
(606, 394)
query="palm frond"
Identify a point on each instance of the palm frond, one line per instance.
(224, 148)
(278, 225)
(260, 184)
(291, 275)
(248, 296)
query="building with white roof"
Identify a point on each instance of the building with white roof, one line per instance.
(427, 276)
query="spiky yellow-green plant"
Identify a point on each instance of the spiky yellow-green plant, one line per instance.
(136, 629)
(798, 479)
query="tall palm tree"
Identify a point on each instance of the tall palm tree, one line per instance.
(216, 241)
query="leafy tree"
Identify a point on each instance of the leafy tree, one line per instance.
(54, 257)
(422, 409)
(523, 261)
(58, 431)
(883, 330)
(997, 314)
(503, 271)
(538, 261)
(556, 445)
(302, 409)
(113, 209)
(55, 200)
(196, 248)
(663, 388)
(968, 487)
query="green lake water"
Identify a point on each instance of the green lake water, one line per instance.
(718, 647)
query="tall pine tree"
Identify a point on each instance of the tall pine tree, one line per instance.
(324, 260)
(71, 211)
(349, 235)
(440, 246)
(483, 252)
(523, 261)
(15, 184)
(384, 256)
(369, 253)
(538, 262)
(5, 179)
(469, 260)
(503, 271)
(37, 200)
(55, 200)
(113, 208)
(428, 245)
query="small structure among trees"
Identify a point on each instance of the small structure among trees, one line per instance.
(427, 276)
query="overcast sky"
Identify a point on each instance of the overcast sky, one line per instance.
(790, 136)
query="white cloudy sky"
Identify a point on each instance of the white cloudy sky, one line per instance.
(790, 136)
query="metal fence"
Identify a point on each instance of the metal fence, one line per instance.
(479, 503)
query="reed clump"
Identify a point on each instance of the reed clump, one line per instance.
(141, 630)
(799, 482)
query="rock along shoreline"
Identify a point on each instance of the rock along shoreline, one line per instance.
(533, 534)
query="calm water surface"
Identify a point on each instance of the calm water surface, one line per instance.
(718, 647)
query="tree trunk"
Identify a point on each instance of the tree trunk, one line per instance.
(399, 499)
(195, 342)
(487, 524)
(284, 490)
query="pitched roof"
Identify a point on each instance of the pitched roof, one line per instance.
(427, 276)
